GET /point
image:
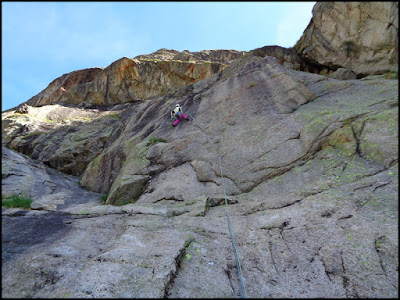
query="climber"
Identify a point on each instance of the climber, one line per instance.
(177, 114)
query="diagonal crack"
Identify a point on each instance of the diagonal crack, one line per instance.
(381, 184)
(345, 278)
(272, 257)
(177, 263)
(377, 243)
(228, 273)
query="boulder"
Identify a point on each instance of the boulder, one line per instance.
(41, 206)
(343, 74)
(127, 189)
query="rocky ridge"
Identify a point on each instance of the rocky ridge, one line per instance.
(310, 166)
(140, 78)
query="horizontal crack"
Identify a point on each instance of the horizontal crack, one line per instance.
(287, 205)
(169, 199)
(345, 217)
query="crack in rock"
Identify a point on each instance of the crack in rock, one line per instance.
(174, 273)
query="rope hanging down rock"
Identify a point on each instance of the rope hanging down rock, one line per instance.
(226, 209)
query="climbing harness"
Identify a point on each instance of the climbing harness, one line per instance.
(226, 209)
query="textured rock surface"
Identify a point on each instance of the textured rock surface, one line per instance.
(311, 172)
(56, 89)
(22, 175)
(221, 56)
(127, 80)
(359, 36)
(62, 137)
(285, 56)
(267, 88)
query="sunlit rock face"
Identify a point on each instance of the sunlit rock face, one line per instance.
(127, 80)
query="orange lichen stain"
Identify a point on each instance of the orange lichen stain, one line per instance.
(203, 73)
(344, 139)
(191, 68)
(127, 70)
(162, 64)
(136, 73)
(133, 70)
(120, 74)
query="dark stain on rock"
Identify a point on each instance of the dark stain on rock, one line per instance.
(32, 231)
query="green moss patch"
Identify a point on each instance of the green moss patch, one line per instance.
(16, 201)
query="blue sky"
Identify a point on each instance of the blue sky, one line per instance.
(41, 41)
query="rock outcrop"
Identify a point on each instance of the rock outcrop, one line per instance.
(359, 36)
(63, 138)
(58, 87)
(50, 189)
(140, 78)
(220, 56)
(287, 57)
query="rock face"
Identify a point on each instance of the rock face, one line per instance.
(310, 168)
(136, 207)
(220, 56)
(63, 138)
(56, 89)
(47, 187)
(359, 36)
(127, 80)
(285, 56)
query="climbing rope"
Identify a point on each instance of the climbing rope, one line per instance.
(226, 209)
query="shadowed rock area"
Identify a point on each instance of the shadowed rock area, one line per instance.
(126, 205)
